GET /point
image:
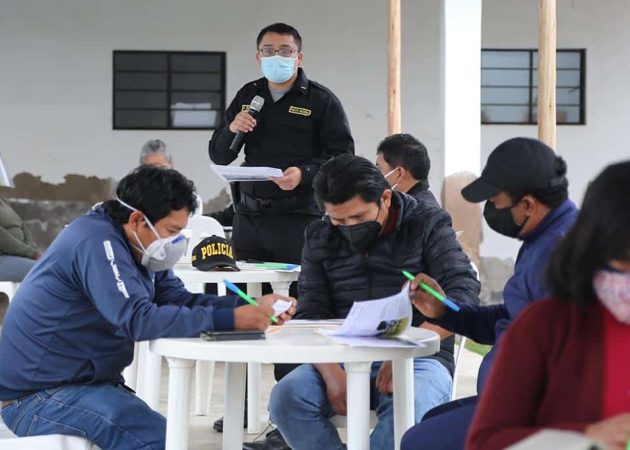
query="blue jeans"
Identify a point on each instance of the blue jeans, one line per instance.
(443, 428)
(300, 408)
(107, 414)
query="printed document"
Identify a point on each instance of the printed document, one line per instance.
(238, 173)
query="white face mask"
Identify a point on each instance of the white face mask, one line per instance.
(161, 254)
(393, 187)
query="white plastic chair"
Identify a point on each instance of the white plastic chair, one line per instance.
(458, 354)
(9, 288)
(8, 441)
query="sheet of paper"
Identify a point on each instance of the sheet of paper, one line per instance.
(278, 267)
(371, 341)
(281, 306)
(389, 316)
(300, 323)
(238, 173)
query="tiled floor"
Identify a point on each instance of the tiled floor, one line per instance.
(202, 437)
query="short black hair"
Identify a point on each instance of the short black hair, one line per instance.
(600, 233)
(347, 176)
(405, 150)
(155, 192)
(280, 28)
(553, 195)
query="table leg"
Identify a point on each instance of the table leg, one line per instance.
(151, 377)
(234, 405)
(358, 400)
(281, 287)
(254, 375)
(130, 374)
(254, 390)
(179, 379)
(404, 410)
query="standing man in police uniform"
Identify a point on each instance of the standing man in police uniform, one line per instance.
(301, 125)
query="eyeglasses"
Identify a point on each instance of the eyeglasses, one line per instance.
(282, 51)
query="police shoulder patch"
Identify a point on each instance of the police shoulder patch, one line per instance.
(301, 111)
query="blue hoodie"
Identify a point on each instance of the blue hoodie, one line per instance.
(77, 314)
(486, 324)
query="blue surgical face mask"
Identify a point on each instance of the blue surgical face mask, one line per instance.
(277, 69)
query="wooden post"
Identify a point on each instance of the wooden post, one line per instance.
(393, 88)
(547, 72)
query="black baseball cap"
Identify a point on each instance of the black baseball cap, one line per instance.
(214, 253)
(518, 164)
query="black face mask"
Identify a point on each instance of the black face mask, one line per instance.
(361, 235)
(501, 220)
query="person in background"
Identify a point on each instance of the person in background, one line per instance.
(18, 252)
(154, 153)
(301, 125)
(564, 363)
(105, 283)
(357, 252)
(526, 191)
(405, 163)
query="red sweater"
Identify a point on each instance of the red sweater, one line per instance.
(559, 366)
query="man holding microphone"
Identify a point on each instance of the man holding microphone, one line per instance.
(300, 126)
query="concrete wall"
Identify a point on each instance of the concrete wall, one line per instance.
(56, 89)
(601, 27)
(56, 76)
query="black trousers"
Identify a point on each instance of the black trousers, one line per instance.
(277, 238)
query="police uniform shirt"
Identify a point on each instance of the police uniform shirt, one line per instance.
(304, 128)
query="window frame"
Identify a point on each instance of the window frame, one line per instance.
(530, 87)
(169, 90)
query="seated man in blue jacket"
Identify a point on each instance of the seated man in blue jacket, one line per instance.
(525, 188)
(369, 235)
(104, 283)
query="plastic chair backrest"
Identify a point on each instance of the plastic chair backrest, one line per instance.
(199, 228)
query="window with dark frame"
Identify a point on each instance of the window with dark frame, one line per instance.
(161, 90)
(509, 86)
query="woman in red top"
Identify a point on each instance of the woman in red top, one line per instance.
(565, 363)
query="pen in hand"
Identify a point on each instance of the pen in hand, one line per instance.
(232, 287)
(433, 292)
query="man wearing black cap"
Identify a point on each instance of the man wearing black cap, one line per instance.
(525, 188)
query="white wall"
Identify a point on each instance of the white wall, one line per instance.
(602, 28)
(56, 76)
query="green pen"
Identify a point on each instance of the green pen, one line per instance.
(232, 287)
(434, 293)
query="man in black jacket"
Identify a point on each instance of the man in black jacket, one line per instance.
(370, 234)
(301, 125)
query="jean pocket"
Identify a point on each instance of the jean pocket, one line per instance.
(42, 426)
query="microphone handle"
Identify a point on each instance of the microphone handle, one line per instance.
(237, 142)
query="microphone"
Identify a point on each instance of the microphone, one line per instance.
(254, 109)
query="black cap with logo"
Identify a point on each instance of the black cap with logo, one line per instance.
(214, 253)
(518, 164)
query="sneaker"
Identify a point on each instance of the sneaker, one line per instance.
(273, 441)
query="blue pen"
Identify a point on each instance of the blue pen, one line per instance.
(234, 288)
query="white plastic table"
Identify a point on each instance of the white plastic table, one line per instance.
(148, 366)
(289, 346)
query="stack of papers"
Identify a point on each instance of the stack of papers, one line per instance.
(376, 323)
(238, 173)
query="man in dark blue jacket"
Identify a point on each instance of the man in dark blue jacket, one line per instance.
(525, 188)
(104, 283)
(358, 252)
